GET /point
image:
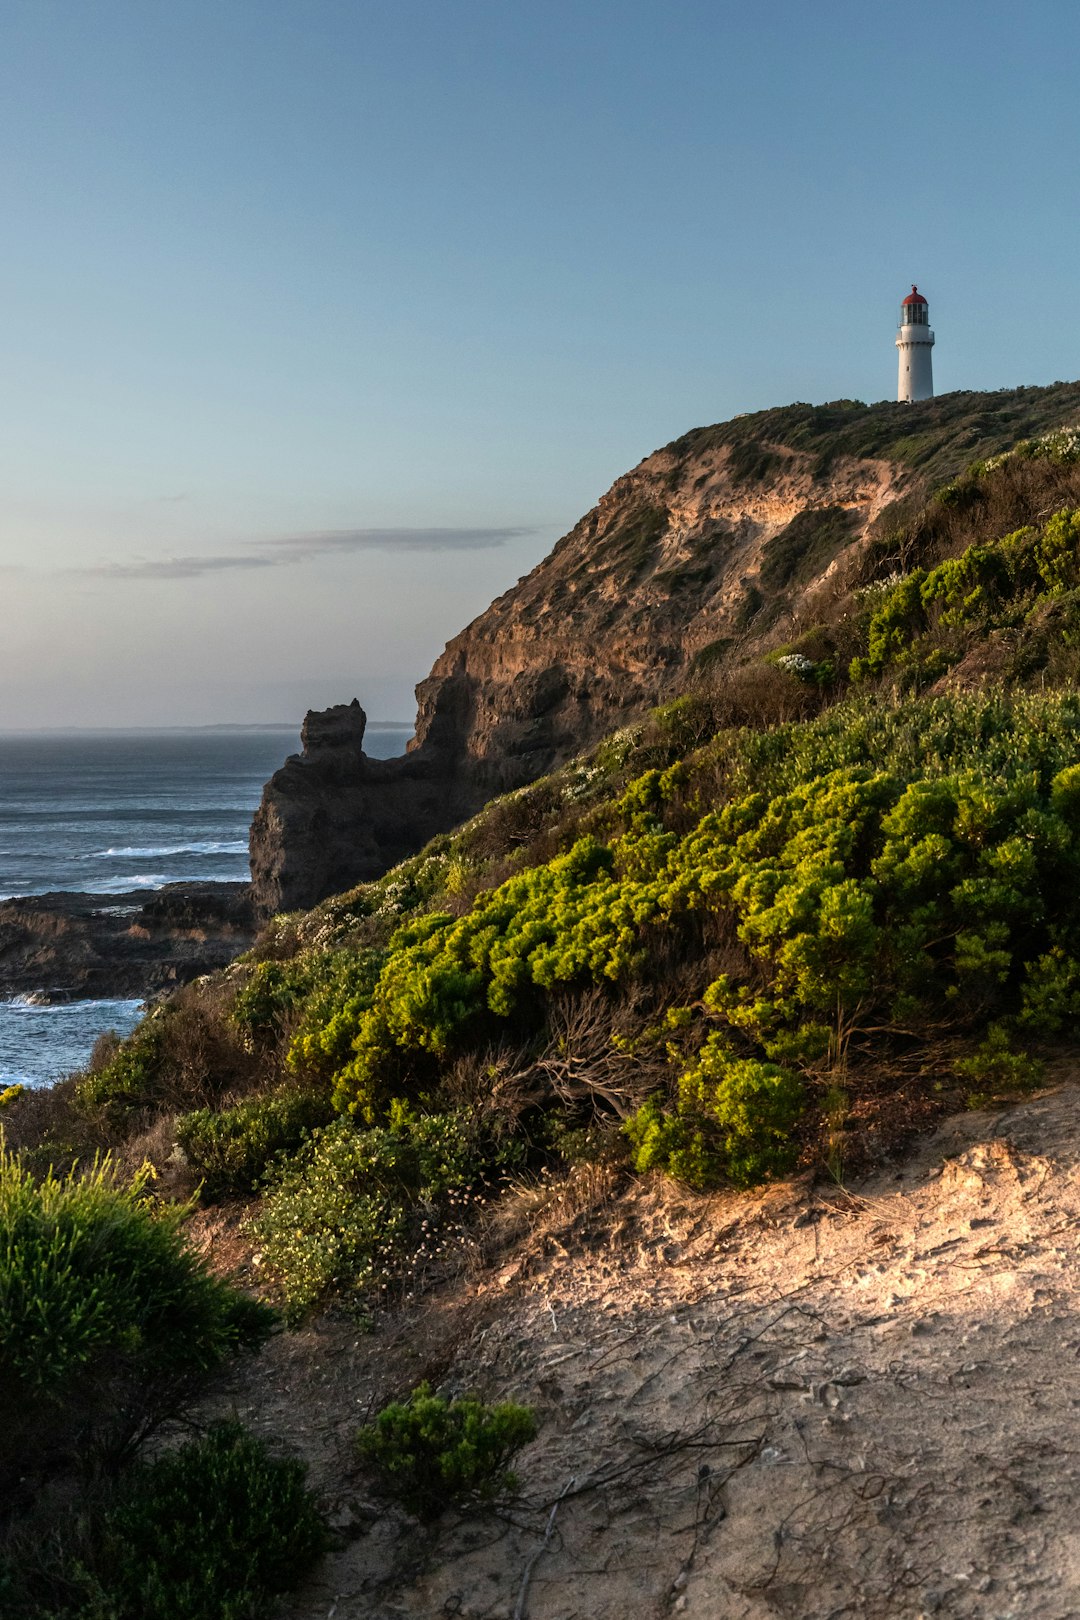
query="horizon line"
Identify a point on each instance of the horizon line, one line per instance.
(217, 725)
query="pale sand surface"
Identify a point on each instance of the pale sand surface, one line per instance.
(809, 1403)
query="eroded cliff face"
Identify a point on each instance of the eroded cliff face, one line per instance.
(687, 561)
(682, 564)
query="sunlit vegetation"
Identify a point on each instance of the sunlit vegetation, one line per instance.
(885, 889)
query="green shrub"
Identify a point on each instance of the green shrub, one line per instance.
(272, 991)
(734, 1117)
(107, 1319)
(231, 1149)
(209, 1531)
(447, 980)
(356, 1207)
(428, 1452)
(187, 1053)
(131, 1079)
(995, 1068)
(924, 622)
(340, 994)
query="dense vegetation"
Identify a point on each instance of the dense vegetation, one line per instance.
(107, 1319)
(208, 1531)
(765, 934)
(936, 436)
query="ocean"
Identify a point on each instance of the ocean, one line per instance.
(104, 812)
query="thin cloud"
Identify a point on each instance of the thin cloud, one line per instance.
(302, 548)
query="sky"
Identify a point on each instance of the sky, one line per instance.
(320, 320)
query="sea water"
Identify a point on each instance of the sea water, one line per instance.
(104, 812)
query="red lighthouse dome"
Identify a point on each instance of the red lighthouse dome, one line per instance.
(914, 311)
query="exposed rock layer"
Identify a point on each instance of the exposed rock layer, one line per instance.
(698, 559)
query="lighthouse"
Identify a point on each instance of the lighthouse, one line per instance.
(914, 341)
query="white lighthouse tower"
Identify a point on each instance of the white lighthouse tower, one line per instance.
(914, 341)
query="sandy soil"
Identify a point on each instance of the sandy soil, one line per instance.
(811, 1404)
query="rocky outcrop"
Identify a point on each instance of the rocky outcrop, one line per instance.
(701, 558)
(680, 564)
(63, 947)
(332, 816)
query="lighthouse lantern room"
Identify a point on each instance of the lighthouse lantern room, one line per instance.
(914, 341)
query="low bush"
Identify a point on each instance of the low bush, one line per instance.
(356, 1208)
(187, 1053)
(924, 622)
(126, 1076)
(326, 1023)
(209, 1531)
(734, 1117)
(107, 1319)
(230, 1150)
(429, 1453)
(272, 991)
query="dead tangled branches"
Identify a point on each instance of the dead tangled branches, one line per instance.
(588, 1059)
(585, 1062)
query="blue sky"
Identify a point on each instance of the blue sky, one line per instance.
(320, 321)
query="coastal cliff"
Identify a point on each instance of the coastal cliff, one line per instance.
(739, 1041)
(707, 554)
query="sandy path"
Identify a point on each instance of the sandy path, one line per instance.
(800, 1405)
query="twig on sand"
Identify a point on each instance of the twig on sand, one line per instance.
(519, 1607)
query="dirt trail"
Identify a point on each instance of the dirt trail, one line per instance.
(809, 1405)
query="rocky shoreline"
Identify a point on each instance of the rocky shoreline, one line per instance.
(65, 947)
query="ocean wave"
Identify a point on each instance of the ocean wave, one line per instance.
(129, 880)
(39, 1001)
(157, 852)
(42, 1043)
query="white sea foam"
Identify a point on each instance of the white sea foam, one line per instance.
(130, 880)
(157, 852)
(99, 814)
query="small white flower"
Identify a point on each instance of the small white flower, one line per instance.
(796, 664)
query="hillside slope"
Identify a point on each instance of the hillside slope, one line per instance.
(697, 560)
(788, 1407)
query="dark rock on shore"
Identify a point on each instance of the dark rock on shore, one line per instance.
(63, 947)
